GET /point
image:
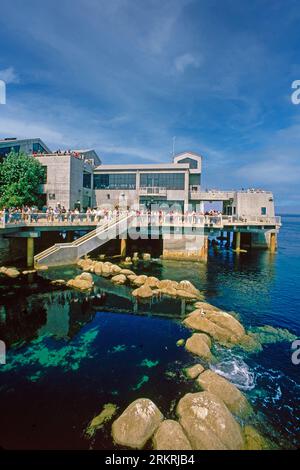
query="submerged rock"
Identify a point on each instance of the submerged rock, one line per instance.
(137, 424)
(254, 440)
(98, 421)
(79, 283)
(119, 279)
(194, 371)
(170, 436)
(235, 401)
(180, 342)
(199, 344)
(268, 335)
(208, 423)
(144, 292)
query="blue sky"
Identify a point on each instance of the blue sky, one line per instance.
(125, 76)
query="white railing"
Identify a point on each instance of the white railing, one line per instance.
(154, 191)
(143, 218)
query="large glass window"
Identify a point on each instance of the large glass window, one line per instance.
(162, 180)
(115, 181)
(6, 150)
(38, 148)
(192, 163)
(87, 180)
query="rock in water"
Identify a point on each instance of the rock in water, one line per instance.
(199, 344)
(86, 277)
(79, 283)
(170, 436)
(208, 423)
(189, 287)
(137, 424)
(194, 371)
(235, 401)
(98, 421)
(139, 280)
(221, 326)
(119, 279)
(11, 272)
(143, 292)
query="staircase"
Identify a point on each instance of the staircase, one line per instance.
(69, 253)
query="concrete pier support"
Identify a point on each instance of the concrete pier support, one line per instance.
(273, 242)
(185, 248)
(237, 241)
(30, 252)
(123, 247)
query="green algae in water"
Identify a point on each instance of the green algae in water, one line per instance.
(41, 355)
(270, 335)
(118, 348)
(148, 363)
(98, 421)
(141, 382)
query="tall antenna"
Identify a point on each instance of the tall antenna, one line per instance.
(174, 139)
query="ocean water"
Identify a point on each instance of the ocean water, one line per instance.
(69, 354)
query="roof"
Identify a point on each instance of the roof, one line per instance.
(146, 166)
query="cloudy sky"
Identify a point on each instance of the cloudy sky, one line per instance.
(125, 76)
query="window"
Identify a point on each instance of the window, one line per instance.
(263, 211)
(6, 150)
(162, 180)
(87, 180)
(192, 163)
(45, 174)
(38, 148)
(115, 181)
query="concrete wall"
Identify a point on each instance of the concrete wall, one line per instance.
(12, 250)
(186, 247)
(250, 204)
(58, 179)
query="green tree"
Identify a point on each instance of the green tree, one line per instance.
(20, 178)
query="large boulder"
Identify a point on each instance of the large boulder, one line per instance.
(106, 270)
(143, 292)
(199, 344)
(167, 284)
(115, 269)
(137, 424)
(194, 371)
(85, 264)
(119, 279)
(80, 284)
(208, 423)
(184, 294)
(98, 268)
(170, 291)
(235, 401)
(86, 277)
(127, 272)
(221, 326)
(139, 280)
(131, 277)
(152, 282)
(170, 436)
(189, 287)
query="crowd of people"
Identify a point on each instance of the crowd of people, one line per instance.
(59, 214)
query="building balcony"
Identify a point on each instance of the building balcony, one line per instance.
(211, 195)
(153, 191)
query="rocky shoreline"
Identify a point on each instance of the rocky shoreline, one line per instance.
(216, 417)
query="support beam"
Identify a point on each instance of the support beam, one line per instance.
(30, 252)
(273, 242)
(123, 247)
(237, 241)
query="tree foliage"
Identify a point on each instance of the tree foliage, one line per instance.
(20, 178)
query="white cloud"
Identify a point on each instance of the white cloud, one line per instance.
(9, 75)
(186, 60)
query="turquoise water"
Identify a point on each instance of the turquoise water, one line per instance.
(69, 353)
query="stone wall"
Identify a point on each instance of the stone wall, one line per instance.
(185, 247)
